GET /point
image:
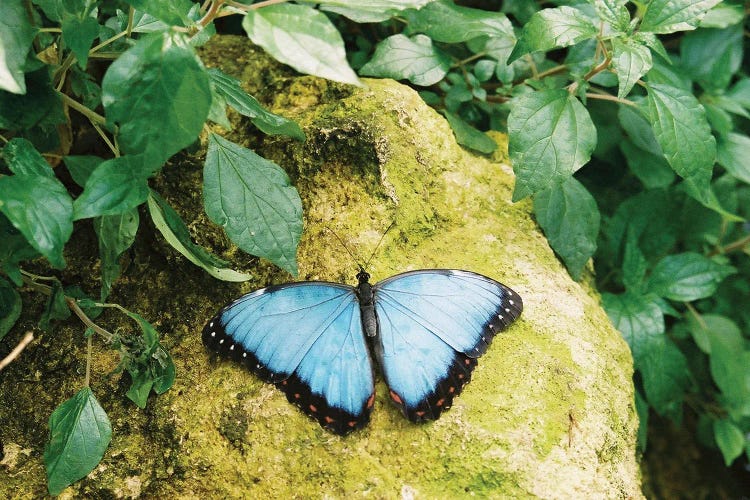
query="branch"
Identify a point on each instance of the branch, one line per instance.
(15, 352)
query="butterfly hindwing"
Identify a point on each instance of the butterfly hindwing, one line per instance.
(307, 339)
(433, 324)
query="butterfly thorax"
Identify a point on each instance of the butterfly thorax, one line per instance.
(366, 304)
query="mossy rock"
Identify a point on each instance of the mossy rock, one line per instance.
(549, 411)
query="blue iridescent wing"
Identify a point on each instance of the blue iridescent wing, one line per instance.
(307, 339)
(433, 324)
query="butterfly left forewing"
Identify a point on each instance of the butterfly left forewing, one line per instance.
(307, 339)
(433, 325)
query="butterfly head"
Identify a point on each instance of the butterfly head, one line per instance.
(363, 276)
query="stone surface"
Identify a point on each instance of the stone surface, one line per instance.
(549, 411)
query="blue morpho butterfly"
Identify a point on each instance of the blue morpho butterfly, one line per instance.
(426, 328)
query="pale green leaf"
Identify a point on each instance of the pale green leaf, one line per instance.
(402, 58)
(631, 61)
(444, 21)
(553, 28)
(730, 439)
(16, 35)
(668, 16)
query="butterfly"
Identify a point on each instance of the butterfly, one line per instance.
(425, 328)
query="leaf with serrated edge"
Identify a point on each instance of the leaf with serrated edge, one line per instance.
(252, 199)
(687, 276)
(551, 135)
(176, 233)
(79, 435)
(553, 28)
(444, 21)
(301, 37)
(668, 16)
(372, 11)
(415, 59)
(631, 61)
(638, 318)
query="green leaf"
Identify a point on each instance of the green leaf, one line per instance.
(680, 127)
(218, 111)
(668, 16)
(10, 307)
(372, 11)
(729, 361)
(551, 135)
(706, 326)
(40, 106)
(80, 167)
(634, 264)
(712, 56)
(444, 21)
(150, 335)
(641, 407)
(163, 370)
(245, 104)
(665, 376)
(114, 187)
(468, 136)
(723, 15)
(56, 307)
(651, 169)
(631, 61)
(569, 218)
(158, 94)
(553, 28)
(16, 35)
(687, 276)
(614, 12)
(35, 202)
(174, 230)
(14, 249)
(732, 154)
(78, 34)
(116, 233)
(252, 199)
(730, 439)
(301, 37)
(172, 12)
(86, 303)
(639, 319)
(141, 383)
(79, 436)
(403, 58)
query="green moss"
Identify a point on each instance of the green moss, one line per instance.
(548, 412)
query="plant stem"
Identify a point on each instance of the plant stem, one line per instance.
(88, 361)
(73, 305)
(93, 117)
(17, 350)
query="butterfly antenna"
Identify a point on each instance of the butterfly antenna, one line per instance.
(378, 245)
(343, 244)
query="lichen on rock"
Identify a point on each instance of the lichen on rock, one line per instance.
(549, 411)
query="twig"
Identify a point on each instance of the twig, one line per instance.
(73, 305)
(15, 352)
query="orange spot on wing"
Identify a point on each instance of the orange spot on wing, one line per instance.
(396, 398)
(352, 423)
(371, 400)
(313, 409)
(451, 389)
(296, 395)
(440, 402)
(329, 420)
(419, 413)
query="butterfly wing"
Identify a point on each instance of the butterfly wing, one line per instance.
(307, 339)
(433, 324)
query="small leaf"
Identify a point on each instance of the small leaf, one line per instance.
(78, 34)
(150, 335)
(252, 199)
(728, 362)
(116, 233)
(79, 435)
(732, 155)
(10, 307)
(174, 230)
(668, 16)
(687, 276)
(569, 218)
(140, 387)
(680, 127)
(730, 439)
(553, 28)
(634, 264)
(163, 370)
(372, 11)
(651, 169)
(16, 35)
(301, 37)
(638, 318)
(35, 202)
(80, 167)
(631, 61)
(551, 135)
(468, 136)
(116, 186)
(641, 407)
(245, 104)
(614, 12)
(172, 12)
(443, 21)
(56, 307)
(665, 375)
(158, 94)
(402, 58)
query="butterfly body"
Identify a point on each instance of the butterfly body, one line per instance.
(425, 328)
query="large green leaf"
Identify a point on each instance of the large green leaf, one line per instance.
(371, 11)
(252, 199)
(668, 16)
(35, 202)
(79, 436)
(553, 28)
(245, 104)
(712, 56)
(665, 375)
(569, 218)
(174, 230)
(116, 233)
(41, 105)
(16, 35)
(10, 307)
(687, 276)
(732, 154)
(551, 135)
(80, 167)
(402, 58)
(114, 187)
(468, 136)
(631, 61)
(681, 129)
(158, 94)
(301, 37)
(444, 21)
(729, 360)
(639, 319)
